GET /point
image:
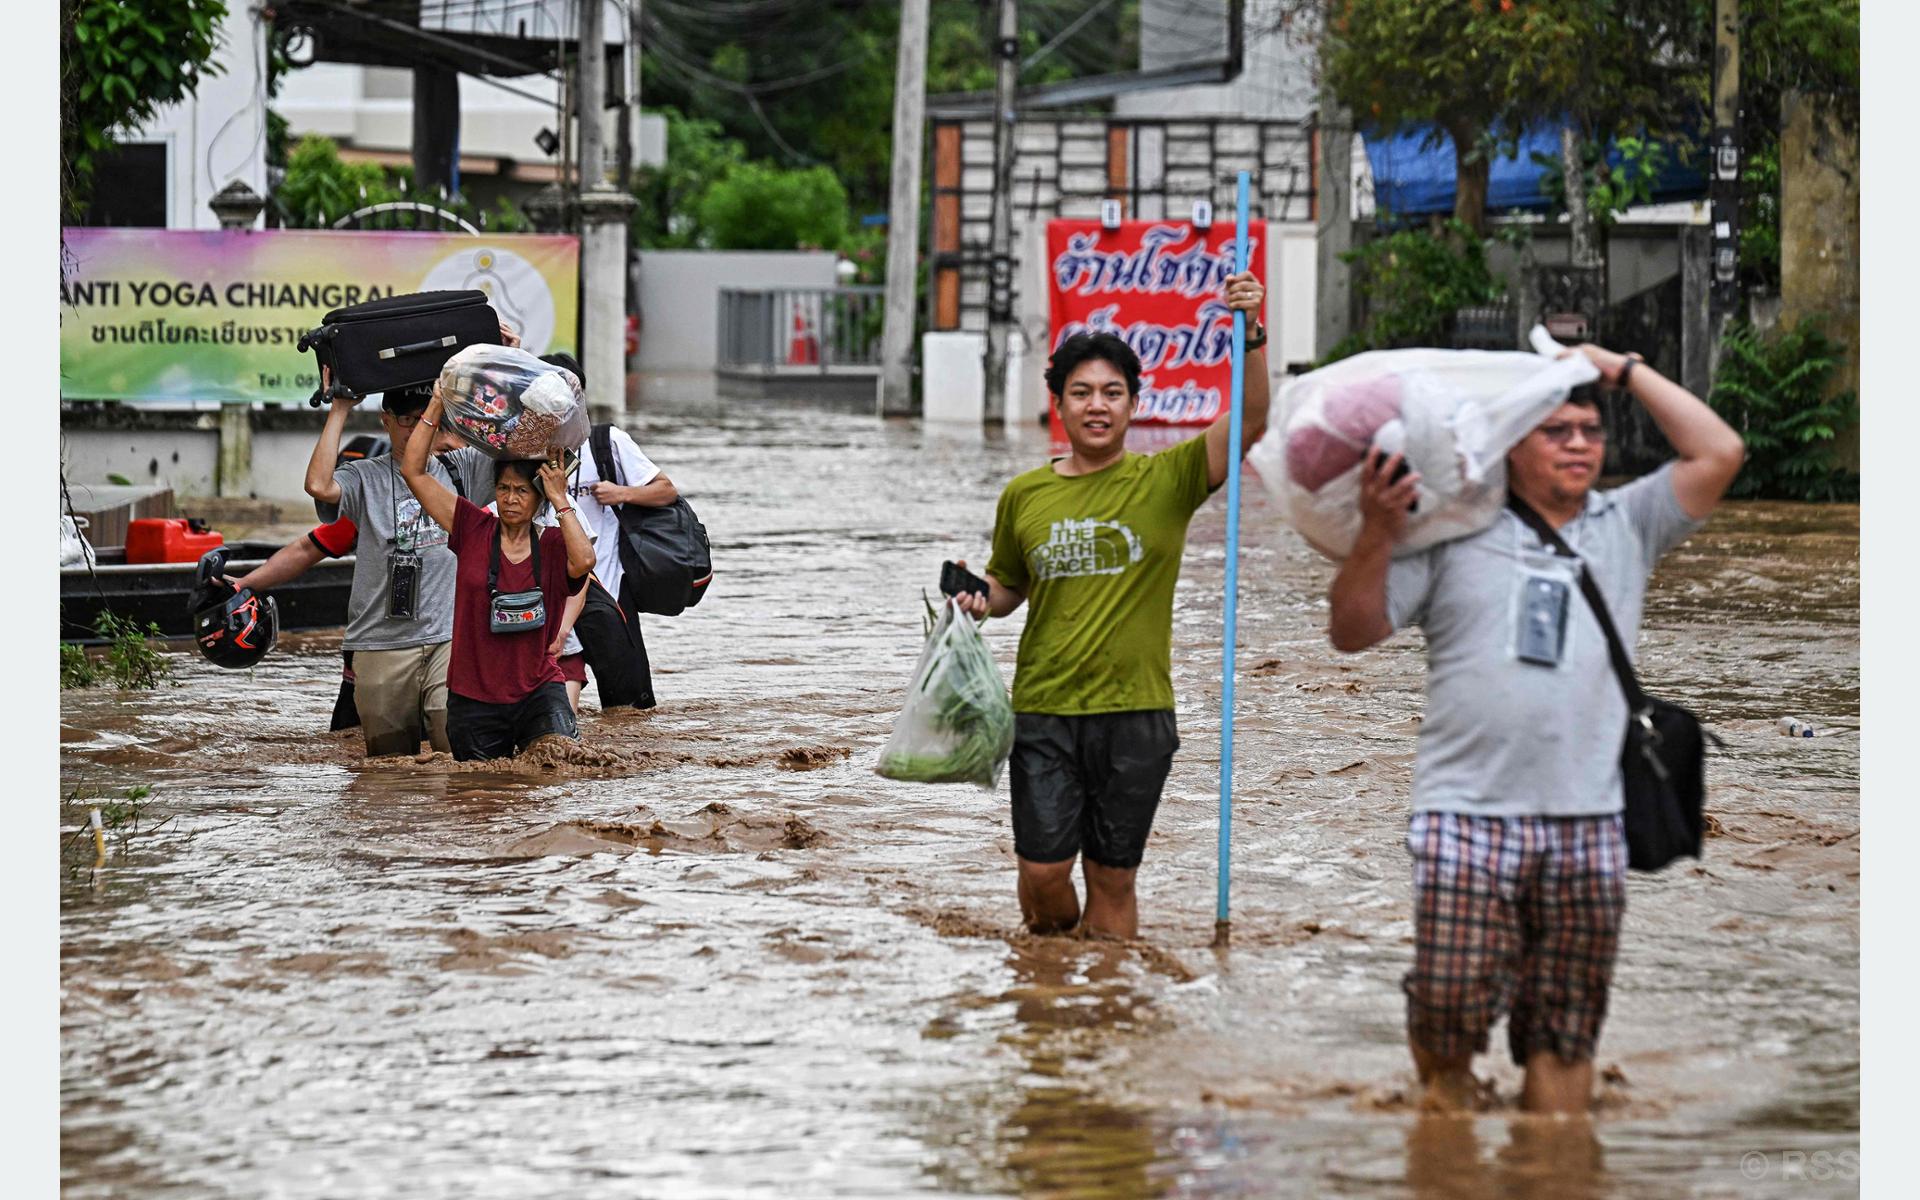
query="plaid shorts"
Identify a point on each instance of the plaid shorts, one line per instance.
(1514, 916)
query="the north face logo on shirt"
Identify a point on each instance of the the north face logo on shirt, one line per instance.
(1086, 547)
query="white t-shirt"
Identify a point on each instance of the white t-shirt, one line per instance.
(636, 470)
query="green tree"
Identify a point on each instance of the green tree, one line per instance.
(319, 189)
(1414, 280)
(762, 207)
(1478, 71)
(120, 62)
(806, 84)
(699, 154)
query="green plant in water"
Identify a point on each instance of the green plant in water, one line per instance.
(1775, 390)
(120, 820)
(76, 669)
(130, 661)
(1414, 282)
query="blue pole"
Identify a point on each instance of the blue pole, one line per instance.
(1220, 919)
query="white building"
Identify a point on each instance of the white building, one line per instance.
(171, 167)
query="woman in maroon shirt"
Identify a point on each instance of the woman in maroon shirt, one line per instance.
(504, 689)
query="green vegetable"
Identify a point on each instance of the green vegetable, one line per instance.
(957, 725)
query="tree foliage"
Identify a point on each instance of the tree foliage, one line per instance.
(710, 195)
(757, 206)
(699, 154)
(1775, 390)
(1478, 71)
(319, 189)
(807, 84)
(1414, 280)
(121, 61)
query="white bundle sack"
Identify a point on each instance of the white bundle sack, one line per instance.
(1453, 413)
(510, 404)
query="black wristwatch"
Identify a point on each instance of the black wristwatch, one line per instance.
(1257, 336)
(1627, 370)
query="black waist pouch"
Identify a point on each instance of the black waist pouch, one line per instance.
(399, 341)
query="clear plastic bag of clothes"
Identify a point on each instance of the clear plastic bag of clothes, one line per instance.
(1453, 413)
(957, 723)
(509, 404)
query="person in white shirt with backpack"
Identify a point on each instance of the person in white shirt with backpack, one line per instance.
(609, 632)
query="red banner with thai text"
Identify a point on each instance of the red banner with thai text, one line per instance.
(1159, 286)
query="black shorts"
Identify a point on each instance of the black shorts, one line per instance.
(1089, 785)
(478, 730)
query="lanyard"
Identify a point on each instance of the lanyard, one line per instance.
(493, 560)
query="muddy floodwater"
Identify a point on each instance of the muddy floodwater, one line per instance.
(719, 957)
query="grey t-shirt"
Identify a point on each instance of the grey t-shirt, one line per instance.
(389, 519)
(1506, 737)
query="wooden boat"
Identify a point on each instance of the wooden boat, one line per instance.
(157, 592)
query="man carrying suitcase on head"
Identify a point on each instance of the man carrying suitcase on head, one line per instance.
(613, 471)
(400, 608)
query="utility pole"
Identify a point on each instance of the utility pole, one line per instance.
(1006, 48)
(903, 211)
(1333, 233)
(436, 131)
(1725, 187)
(603, 231)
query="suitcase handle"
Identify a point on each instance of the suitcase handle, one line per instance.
(417, 347)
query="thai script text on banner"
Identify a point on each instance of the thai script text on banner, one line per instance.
(1158, 285)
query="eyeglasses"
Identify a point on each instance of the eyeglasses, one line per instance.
(406, 420)
(1561, 432)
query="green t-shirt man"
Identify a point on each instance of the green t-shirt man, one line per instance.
(1097, 556)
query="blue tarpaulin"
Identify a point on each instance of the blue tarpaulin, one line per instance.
(1408, 180)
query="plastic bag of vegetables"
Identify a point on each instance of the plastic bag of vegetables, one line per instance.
(957, 725)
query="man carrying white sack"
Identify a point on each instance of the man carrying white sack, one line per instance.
(1519, 857)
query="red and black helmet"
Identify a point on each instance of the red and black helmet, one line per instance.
(234, 628)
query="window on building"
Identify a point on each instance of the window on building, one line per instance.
(129, 186)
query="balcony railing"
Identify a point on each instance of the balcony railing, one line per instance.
(801, 331)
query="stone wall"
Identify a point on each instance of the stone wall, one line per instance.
(1820, 230)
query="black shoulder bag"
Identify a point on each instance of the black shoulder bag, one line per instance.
(665, 558)
(1663, 762)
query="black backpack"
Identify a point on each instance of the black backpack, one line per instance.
(664, 554)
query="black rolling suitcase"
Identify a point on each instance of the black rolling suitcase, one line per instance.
(399, 341)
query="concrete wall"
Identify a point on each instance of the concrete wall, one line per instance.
(182, 459)
(1638, 256)
(1820, 231)
(181, 450)
(680, 311)
(1275, 82)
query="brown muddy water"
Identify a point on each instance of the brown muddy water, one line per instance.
(725, 959)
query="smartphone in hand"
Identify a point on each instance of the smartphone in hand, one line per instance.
(955, 579)
(1399, 473)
